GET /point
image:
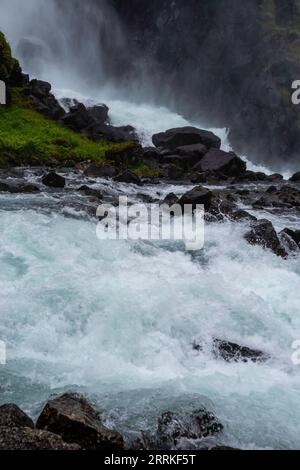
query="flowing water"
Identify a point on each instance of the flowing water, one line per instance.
(117, 320)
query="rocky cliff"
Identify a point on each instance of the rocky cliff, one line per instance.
(230, 61)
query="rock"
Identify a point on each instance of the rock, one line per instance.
(73, 418)
(20, 438)
(174, 172)
(99, 113)
(78, 119)
(91, 192)
(251, 176)
(170, 199)
(128, 177)
(232, 352)
(263, 233)
(173, 427)
(12, 416)
(179, 137)
(228, 163)
(275, 177)
(198, 195)
(25, 188)
(293, 234)
(241, 215)
(195, 151)
(295, 178)
(44, 101)
(182, 161)
(54, 180)
(287, 196)
(103, 171)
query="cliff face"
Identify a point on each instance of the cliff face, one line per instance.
(230, 61)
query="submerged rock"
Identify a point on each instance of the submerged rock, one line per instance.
(12, 416)
(22, 438)
(263, 233)
(73, 418)
(179, 137)
(54, 180)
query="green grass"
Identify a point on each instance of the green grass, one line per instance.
(27, 137)
(143, 171)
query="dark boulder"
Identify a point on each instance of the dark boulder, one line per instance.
(182, 161)
(73, 418)
(25, 188)
(179, 137)
(78, 119)
(128, 177)
(99, 113)
(232, 352)
(20, 438)
(228, 163)
(287, 196)
(251, 177)
(263, 233)
(173, 427)
(100, 171)
(276, 177)
(43, 100)
(195, 151)
(295, 178)
(294, 234)
(170, 199)
(198, 195)
(91, 192)
(174, 172)
(53, 180)
(240, 215)
(12, 416)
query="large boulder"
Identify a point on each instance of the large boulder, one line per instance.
(43, 100)
(74, 419)
(174, 138)
(293, 234)
(53, 180)
(128, 177)
(264, 234)
(227, 163)
(287, 197)
(22, 438)
(295, 178)
(78, 119)
(12, 416)
(198, 195)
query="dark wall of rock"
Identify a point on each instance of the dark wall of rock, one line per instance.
(230, 61)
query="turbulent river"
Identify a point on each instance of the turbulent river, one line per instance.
(118, 319)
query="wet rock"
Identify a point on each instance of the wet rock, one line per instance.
(99, 113)
(294, 234)
(174, 172)
(182, 161)
(275, 177)
(251, 176)
(91, 192)
(13, 188)
(195, 152)
(263, 233)
(241, 215)
(100, 171)
(288, 241)
(21, 438)
(78, 119)
(287, 196)
(232, 352)
(179, 137)
(12, 416)
(53, 180)
(173, 427)
(73, 418)
(170, 199)
(128, 177)
(295, 178)
(198, 195)
(228, 163)
(43, 100)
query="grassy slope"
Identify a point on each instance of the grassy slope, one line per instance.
(27, 137)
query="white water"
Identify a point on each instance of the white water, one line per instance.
(119, 320)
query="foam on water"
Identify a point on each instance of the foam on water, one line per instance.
(119, 319)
